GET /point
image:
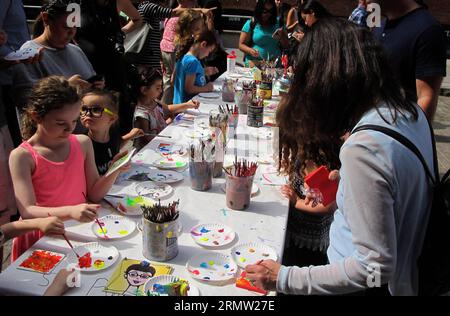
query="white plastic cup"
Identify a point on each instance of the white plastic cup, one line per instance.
(231, 62)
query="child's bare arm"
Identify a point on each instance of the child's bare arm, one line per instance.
(191, 88)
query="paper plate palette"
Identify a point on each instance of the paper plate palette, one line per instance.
(198, 133)
(209, 95)
(153, 190)
(255, 189)
(211, 267)
(129, 205)
(166, 279)
(173, 162)
(166, 149)
(262, 132)
(41, 261)
(114, 226)
(212, 235)
(251, 253)
(94, 257)
(21, 54)
(137, 173)
(165, 176)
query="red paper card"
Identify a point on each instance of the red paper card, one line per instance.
(318, 179)
(243, 283)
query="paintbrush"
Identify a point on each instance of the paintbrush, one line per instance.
(67, 240)
(96, 219)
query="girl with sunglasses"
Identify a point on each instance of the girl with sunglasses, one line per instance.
(149, 114)
(262, 37)
(99, 114)
(53, 171)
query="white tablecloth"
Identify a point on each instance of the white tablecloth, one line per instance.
(263, 222)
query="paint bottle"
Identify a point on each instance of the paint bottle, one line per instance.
(231, 62)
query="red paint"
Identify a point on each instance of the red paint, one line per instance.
(221, 230)
(122, 208)
(244, 283)
(196, 272)
(85, 261)
(41, 261)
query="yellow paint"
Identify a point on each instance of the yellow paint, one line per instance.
(169, 234)
(242, 259)
(102, 232)
(204, 239)
(123, 232)
(211, 263)
(99, 264)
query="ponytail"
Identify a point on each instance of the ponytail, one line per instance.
(206, 36)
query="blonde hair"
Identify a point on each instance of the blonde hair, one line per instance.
(48, 94)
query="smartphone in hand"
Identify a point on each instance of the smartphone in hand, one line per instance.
(318, 179)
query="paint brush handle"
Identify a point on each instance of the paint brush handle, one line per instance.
(70, 244)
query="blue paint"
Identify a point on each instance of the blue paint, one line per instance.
(204, 230)
(204, 265)
(226, 266)
(206, 278)
(238, 253)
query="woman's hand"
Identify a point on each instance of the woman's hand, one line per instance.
(298, 36)
(264, 274)
(289, 193)
(85, 212)
(314, 196)
(193, 104)
(211, 71)
(50, 225)
(254, 53)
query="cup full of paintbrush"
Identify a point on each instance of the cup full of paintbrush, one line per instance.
(238, 186)
(160, 230)
(201, 164)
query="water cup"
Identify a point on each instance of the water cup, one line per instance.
(238, 191)
(160, 240)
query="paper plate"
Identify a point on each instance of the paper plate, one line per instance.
(137, 173)
(265, 159)
(250, 253)
(262, 132)
(173, 162)
(101, 257)
(115, 227)
(129, 205)
(165, 176)
(166, 149)
(153, 190)
(209, 95)
(234, 75)
(166, 279)
(211, 267)
(255, 189)
(212, 235)
(198, 133)
(41, 261)
(21, 54)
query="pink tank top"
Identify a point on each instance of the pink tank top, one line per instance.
(55, 184)
(167, 45)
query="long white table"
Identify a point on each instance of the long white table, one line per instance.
(263, 222)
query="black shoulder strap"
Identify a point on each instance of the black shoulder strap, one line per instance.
(408, 144)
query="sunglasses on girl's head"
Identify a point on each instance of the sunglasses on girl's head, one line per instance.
(95, 111)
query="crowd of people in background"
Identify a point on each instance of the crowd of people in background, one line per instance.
(67, 111)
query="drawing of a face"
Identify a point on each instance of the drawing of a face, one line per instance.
(137, 274)
(137, 278)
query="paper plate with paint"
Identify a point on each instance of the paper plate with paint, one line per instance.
(264, 159)
(209, 95)
(93, 257)
(129, 205)
(41, 261)
(136, 173)
(165, 176)
(167, 149)
(172, 162)
(170, 285)
(21, 54)
(262, 132)
(255, 189)
(212, 235)
(154, 190)
(211, 267)
(198, 133)
(113, 227)
(250, 253)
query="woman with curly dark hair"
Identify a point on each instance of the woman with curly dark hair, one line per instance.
(343, 81)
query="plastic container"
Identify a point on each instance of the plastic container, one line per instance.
(231, 62)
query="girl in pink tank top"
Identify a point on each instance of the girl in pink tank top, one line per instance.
(54, 172)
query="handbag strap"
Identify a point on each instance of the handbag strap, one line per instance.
(408, 144)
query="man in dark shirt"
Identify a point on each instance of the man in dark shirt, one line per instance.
(415, 44)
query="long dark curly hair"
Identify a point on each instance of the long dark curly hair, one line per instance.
(341, 74)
